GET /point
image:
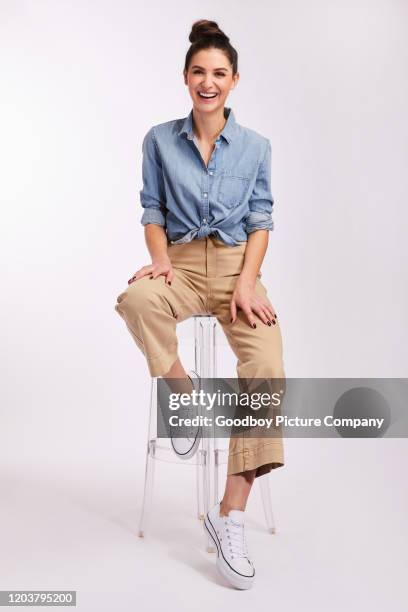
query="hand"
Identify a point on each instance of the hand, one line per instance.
(155, 269)
(246, 298)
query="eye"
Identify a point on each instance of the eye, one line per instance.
(218, 74)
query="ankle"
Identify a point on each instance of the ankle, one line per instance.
(180, 384)
(226, 506)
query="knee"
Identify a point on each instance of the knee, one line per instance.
(136, 300)
(261, 366)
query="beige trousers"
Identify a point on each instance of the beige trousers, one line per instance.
(205, 274)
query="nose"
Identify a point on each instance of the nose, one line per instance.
(207, 84)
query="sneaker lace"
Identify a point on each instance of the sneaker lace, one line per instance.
(236, 539)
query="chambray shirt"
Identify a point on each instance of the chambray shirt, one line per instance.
(229, 198)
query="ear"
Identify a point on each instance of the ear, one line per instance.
(185, 77)
(235, 80)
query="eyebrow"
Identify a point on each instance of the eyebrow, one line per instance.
(222, 68)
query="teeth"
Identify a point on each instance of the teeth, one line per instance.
(200, 93)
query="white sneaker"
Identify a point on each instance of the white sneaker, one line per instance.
(228, 533)
(185, 448)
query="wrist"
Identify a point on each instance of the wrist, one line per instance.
(247, 279)
(163, 258)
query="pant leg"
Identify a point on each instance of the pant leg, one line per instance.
(151, 310)
(260, 355)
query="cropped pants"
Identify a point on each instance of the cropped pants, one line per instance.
(205, 274)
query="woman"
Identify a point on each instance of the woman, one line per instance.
(207, 215)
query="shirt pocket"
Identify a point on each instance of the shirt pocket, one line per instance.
(232, 189)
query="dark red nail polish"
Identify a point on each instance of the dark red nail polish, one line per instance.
(269, 323)
(254, 325)
(274, 322)
(170, 283)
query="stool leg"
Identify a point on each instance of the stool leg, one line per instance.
(216, 474)
(148, 487)
(201, 484)
(150, 461)
(267, 503)
(205, 367)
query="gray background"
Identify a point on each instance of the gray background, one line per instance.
(82, 82)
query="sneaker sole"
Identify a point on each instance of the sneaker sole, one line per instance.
(239, 581)
(192, 451)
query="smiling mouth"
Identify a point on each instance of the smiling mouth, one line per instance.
(209, 96)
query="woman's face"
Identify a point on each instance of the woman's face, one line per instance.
(209, 72)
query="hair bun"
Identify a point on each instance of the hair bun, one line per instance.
(204, 28)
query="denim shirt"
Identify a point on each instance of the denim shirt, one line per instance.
(230, 198)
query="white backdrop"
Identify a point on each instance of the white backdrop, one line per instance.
(81, 83)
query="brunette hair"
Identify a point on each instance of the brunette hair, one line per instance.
(206, 34)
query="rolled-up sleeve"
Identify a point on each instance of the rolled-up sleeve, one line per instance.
(152, 195)
(261, 201)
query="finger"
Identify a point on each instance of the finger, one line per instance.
(169, 277)
(233, 310)
(262, 313)
(273, 318)
(270, 319)
(135, 277)
(249, 316)
(271, 312)
(143, 272)
(258, 308)
(268, 310)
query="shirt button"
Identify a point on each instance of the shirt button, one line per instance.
(211, 172)
(205, 194)
(204, 220)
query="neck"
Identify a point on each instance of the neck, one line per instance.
(207, 126)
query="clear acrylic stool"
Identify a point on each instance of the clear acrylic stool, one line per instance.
(209, 455)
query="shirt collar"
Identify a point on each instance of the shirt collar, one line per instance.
(227, 131)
